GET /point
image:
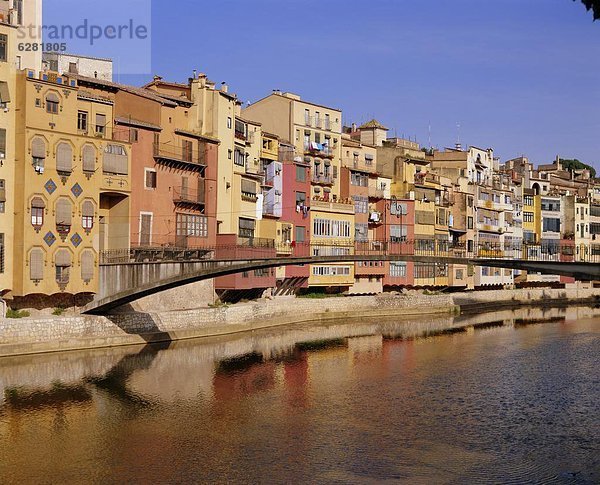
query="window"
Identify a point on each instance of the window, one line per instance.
(469, 201)
(359, 179)
(52, 103)
(300, 174)
(527, 216)
(331, 228)
(300, 198)
(229, 122)
(87, 265)
(100, 124)
(4, 94)
(36, 264)
(192, 225)
(550, 205)
(246, 227)
(300, 234)
(229, 153)
(150, 178)
(82, 121)
(2, 196)
(89, 158)
(398, 270)
(87, 215)
(63, 216)
(307, 117)
(551, 225)
(327, 122)
(249, 189)
(134, 135)
(62, 264)
(2, 143)
(528, 200)
(424, 270)
(239, 158)
(37, 212)
(331, 270)
(361, 204)
(38, 153)
(3, 48)
(469, 222)
(361, 232)
(64, 158)
(187, 150)
(398, 233)
(115, 160)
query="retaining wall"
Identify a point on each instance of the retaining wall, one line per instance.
(45, 334)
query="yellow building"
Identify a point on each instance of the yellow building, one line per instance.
(7, 154)
(315, 131)
(71, 187)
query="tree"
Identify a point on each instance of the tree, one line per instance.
(593, 5)
(574, 164)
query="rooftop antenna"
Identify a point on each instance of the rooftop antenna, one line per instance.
(458, 146)
(429, 136)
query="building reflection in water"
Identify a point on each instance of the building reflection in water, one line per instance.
(223, 397)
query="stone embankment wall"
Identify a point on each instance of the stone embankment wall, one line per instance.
(44, 334)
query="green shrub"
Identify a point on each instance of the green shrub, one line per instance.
(10, 313)
(58, 311)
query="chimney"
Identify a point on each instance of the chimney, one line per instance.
(194, 74)
(224, 87)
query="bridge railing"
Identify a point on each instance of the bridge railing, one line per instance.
(244, 249)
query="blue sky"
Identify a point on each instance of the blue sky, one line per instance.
(521, 76)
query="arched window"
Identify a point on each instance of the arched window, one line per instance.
(37, 212)
(87, 215)
(63, 215)
(87, 265)
(64, 158)
(52, 103)
(89, 158)
(36, 264)
(62, 264)
(38, 153)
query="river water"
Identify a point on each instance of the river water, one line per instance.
(505, 397)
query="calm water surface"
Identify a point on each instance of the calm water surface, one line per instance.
(512, 398)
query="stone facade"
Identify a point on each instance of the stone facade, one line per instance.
(44, 334)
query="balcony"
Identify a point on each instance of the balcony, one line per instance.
(427, 179)
(376, 193)
(327, 206)
(322, 179)
(179, 156)
(318, 150)
(185, 196)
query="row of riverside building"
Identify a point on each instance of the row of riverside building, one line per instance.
(91, 170)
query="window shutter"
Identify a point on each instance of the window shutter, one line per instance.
(63, 212)
(87, 209)
(335, 172)
(4, 93)
(2, 191)
(100, 120)
(201, 186)
(2, 142)
(36, 264)
(38, 148)
(87, 265)
(184, 187)
(64, 157)
(62, 258)
(89, 158)
(248, 186)
(38, 203)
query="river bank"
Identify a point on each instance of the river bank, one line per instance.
(60, 333)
